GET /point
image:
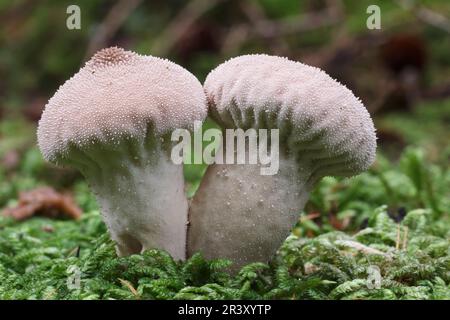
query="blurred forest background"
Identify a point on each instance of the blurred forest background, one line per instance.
(401, 71)
(400, 206)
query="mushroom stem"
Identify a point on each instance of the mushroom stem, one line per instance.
(143, 203)
(244, 216)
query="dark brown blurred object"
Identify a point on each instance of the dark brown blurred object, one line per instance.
(404, 51)
(337, 223)
(43, 201)
(396, 97)
(199, 37)
(405, 57)
(34, 109)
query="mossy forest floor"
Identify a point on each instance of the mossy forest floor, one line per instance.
(384, 234)
(380, 254)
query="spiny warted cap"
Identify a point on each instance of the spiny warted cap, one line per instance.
(119, 94)
(319, 119)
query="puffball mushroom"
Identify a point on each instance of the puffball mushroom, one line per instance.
(112, 121)
(239, 214)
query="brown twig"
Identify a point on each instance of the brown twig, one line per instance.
(258, 20)
(261, 27)
(192, 11)
(111, 24)
(426, 15)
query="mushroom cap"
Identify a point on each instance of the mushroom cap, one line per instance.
(319, 119)
(119, 94)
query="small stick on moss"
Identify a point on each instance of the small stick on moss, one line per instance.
(130, 287)
(359, 246)
(405, 238)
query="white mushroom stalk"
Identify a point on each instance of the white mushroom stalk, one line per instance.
(112, 121)
(239, 214)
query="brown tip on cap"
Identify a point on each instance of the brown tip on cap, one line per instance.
(109, 57)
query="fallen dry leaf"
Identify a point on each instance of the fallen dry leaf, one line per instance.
(43, 201)
(339, 224)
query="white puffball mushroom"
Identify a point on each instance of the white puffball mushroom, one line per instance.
(112, 121)
(324, 130)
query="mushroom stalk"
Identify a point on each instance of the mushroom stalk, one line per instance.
(244, 216)
(143, 203)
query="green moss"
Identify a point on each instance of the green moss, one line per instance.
(39, 256)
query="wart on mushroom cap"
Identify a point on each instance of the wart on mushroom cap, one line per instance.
(324, 130)
(112, 121)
